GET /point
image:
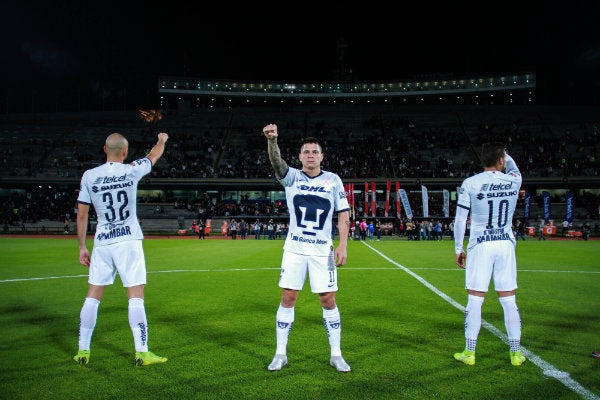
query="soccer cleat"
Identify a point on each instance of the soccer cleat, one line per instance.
(340, 364)
(596, 354)
(279, 361)
(148, 358)
(516, 358)
(467, 357)
(82, 357)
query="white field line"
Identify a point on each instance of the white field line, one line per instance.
(547, 368)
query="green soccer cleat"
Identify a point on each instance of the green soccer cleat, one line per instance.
(467, 357)
(516, 358)
(148, 358)
(82, 357)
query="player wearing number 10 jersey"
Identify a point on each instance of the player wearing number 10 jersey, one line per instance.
(112, 190)
(490, 197)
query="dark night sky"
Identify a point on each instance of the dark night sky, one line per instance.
(59, 48)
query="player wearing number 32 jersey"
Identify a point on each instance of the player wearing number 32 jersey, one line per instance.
(112, 190)
(490, 197)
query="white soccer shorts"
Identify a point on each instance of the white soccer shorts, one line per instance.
(125, 258)
(294, 268)
(491, 259)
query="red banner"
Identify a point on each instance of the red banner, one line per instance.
(398, 208)
(388, 186)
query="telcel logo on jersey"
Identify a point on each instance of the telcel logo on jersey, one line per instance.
(496, 190)
(111, 179)
(496, 186)
(320, 189)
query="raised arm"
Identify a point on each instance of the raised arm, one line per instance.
(159, 148)
(279, 165)
(510, 166)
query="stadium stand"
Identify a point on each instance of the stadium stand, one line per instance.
(216, 165)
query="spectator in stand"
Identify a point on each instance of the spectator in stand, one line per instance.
(410, 229)
(195, 228)
(233, 228)
(565, 227)
(363, 229)
(271, 230)
(541, 230)
(424, 227)
(437, 231)
(243, 228)
(201, 229)
(429, 229)
(257, 228)
(67, 222)
(520, 230)
(371, 230)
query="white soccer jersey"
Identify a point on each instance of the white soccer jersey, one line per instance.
(311, 203)
(112, 189)
(491, 197)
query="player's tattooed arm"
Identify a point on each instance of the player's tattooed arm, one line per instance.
(279, 165)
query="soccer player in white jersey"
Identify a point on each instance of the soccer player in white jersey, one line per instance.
(490, 197)
(312, 195)
(111, 189)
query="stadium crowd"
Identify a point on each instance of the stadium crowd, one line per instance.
(367, 144)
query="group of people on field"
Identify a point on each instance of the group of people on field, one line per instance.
(313, 196)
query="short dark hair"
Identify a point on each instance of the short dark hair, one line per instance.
(491, 153)
(310, 139)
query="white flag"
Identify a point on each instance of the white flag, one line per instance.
(446, 203)
(404, 197)
(425, 201)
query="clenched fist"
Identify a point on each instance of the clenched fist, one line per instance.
(270, 131)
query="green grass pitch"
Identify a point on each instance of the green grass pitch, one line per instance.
(211, 310)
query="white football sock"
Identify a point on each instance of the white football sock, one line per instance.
(87, 322)
(512, 321)
(284, 322)
(333, 326)
(138, 323)
(472, 321)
